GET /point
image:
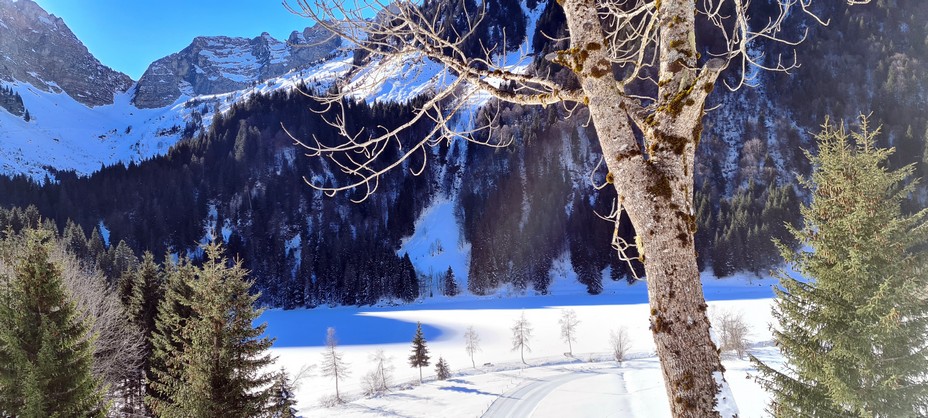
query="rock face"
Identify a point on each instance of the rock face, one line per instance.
(219, 64)
(39, 49)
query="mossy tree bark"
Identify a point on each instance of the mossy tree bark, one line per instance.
(654, 183)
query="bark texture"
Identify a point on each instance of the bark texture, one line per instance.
(655, 186)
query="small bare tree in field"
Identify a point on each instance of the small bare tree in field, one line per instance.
(569, 323)
(733, 331)
(333, 365)
(521, 335)
(621, 343)
(471, 343)
(380, 378)
(639, 67)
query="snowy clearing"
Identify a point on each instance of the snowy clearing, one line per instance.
(553, 384)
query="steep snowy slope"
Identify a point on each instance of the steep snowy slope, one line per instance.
(63, 134)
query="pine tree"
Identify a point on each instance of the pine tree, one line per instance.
(420, 353)
(75, 241)
(282, 404)
(95, 247)
(168, 340)
(442, 370)
(223, 362)
(451, 286)
(854, 337)
(45, 346)
(409, 282)
(142, 307)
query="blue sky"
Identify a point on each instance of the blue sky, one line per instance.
(129, 35)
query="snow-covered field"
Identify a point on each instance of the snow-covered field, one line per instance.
(552, 384)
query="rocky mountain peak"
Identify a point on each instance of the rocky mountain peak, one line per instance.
(40, 49)
(220, 64)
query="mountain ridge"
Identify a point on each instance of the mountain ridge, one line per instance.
(221, 64)
(61, 62)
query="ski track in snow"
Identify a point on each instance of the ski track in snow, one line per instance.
(527, 399)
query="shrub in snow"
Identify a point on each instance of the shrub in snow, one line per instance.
(733, 331)
(620, 343)
(379, 379)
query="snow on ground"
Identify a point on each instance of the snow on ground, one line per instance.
(567, 383)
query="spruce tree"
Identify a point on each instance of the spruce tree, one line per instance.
(45, 347)
(853, 336)
(282, 404)
(420, 353)
(222, 365)
(96, 249)
(442, 370)
(451, 286)
(142, 307)
(168, 340)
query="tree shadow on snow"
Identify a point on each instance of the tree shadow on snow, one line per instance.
(463, 389)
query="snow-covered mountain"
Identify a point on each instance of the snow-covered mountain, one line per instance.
(78, 115)
(77, 123)
(38, 49)
(220, 64)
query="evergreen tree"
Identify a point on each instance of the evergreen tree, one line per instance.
(222, 364)
(409, 281)
(282, 404)
(420, 353)
(168, 340)
(45, 348)
(854, 336)
(451, 286)
(142, 309)
(75, 241)
(95, 247)
(442, 370)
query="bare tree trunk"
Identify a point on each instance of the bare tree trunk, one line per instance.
(655, 188)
